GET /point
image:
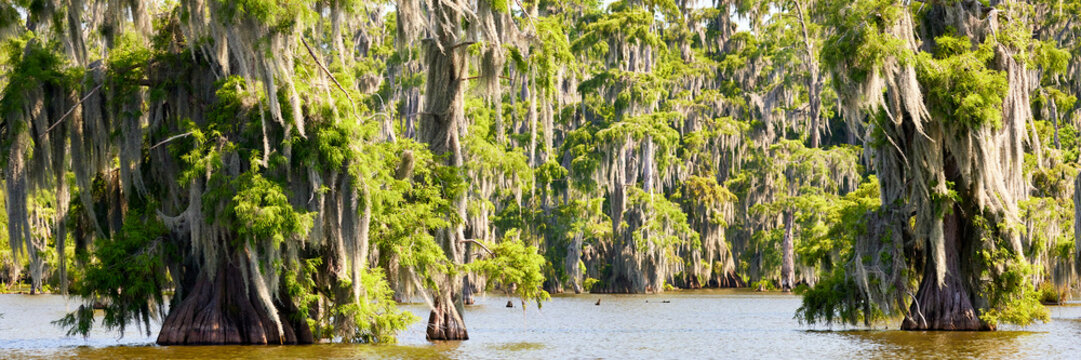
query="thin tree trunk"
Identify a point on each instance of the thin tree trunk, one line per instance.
(814, 85)
(788, 268)
(533, 122)
(1054, 119)
(60, 232)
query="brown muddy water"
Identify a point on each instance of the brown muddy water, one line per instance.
(692, 325)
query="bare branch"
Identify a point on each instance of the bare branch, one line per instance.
(87, 96)
(462, 44)
(327, 71)
(480, 244)
(170, 139)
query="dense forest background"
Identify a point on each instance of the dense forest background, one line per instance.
(285, 171)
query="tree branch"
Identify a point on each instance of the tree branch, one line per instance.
(170, 139)
(528, 16)
(87, 96)
(478, 243)
(327, 71)
(478, 77)
(462, 44)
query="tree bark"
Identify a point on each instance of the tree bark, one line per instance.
(729, 279)
(788, 263)
(532, 121)
(814, 83)
(445, 322)
(1054, 120)
(945, 305)
(222, 310)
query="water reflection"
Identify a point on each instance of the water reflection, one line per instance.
(942, 344)
(320, 351)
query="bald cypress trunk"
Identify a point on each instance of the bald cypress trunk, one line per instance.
(1077, 214)
(441, 123)
(946, 303)
(221, 309)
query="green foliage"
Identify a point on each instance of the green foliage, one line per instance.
(300, 284)
(553, 53)
(844, 220)
(638, 128)
(33, 64)
(550, 172)
(589, 283)
(1022, 309)
(836, 299)
(960, 85)
(1049, 227)
(280, 15)
(804, 183)
(1048, 295)
(202, 153)
(127, 68)
(724, 107)
(513, 264)
(858, 45)
(1010, 296)
(255, 207)
(705, 191)
(129, 275)
(1052, 60)
(405, 212)
(580, 145)
(624, 23)
(1058, 161)
(666, 224)
(376, 316)
(260, 212)
(764, 285)
(583, 219)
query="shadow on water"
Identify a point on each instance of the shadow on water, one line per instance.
(318, 351)
(941, 344)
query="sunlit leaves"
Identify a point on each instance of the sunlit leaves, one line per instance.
(512, 264)
(263, 213)
(960, 85)
(277, 14)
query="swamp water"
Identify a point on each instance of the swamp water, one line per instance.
(691, 325)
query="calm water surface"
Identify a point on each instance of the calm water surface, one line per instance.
(694, 324)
